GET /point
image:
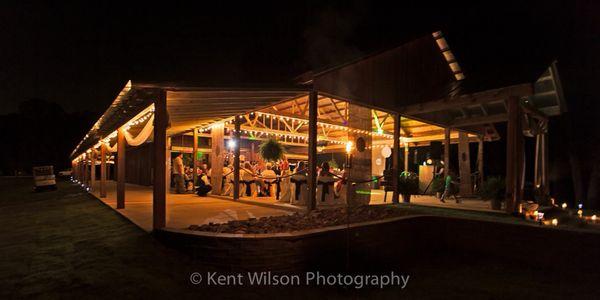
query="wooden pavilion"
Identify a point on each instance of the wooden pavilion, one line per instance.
(407, 96)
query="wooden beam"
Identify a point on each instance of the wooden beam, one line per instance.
(236, 159)
(406, 152)
(479, 120)
(514, 155)
(477, 98)
(217, 157)
(312, 149)
(93, 170)
(480, 161)
(464, 164)
(159, 187)
(396, 159)
(102, 170)
(121, 144)
(447, 132)
(194, 155)
(85, 170)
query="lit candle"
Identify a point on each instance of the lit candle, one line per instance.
(564, 206)
(594, 218)
(555, 222)
(580, 213)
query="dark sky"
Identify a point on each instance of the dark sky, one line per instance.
(80, 54)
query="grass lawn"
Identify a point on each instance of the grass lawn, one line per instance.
(66, 243)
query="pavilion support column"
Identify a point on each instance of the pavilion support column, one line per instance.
(159, 187)
(93, 170)
(396, 159)
(168, 168)
(447, 132)
(359, 172)
(312, 149)
(195, 156)
(236, 158)
(102, 170)
(464, 164)
(537, 176)
(406, 153)
(85, 171)
(121, 144)
(480, 161)
(514, 155)
(217, 157)
(544, 162)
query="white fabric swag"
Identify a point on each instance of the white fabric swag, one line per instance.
(142, 136)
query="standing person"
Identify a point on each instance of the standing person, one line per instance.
(178, 173)
(448, 189)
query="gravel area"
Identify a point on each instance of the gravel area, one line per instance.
(302, 221)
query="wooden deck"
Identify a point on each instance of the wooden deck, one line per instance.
(187, 209)
(183, 210)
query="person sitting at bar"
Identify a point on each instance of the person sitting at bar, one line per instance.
(299, 184)
(325, 182)
(247, 179)
(203, 185)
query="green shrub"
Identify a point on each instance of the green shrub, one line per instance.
(493, 188)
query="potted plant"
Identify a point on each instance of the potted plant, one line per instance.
(408, 184)
(271, 150)
(493, 188)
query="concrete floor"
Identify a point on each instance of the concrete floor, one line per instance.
(183, 210)
(187, 209)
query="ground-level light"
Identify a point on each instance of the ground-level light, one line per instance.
(555, 222)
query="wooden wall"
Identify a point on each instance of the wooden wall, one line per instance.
(139, 164)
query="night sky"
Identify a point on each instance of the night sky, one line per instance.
(80, 54)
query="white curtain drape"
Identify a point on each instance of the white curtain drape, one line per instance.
(142, 136)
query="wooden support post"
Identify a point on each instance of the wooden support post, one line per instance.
(102, 170)
(396, 159)
(121, 144)
(464, 164)
(544, 162)
(537, 162)
(85, 170)
(447, 132)
(93, 170)
(312, 149)
(195, 156)
(236, 159)
(514, 155)
(480, 161)
(159, 187)
(406, 153)
(217, 157)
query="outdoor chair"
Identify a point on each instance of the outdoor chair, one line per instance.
(325, 190)
(299, 189)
